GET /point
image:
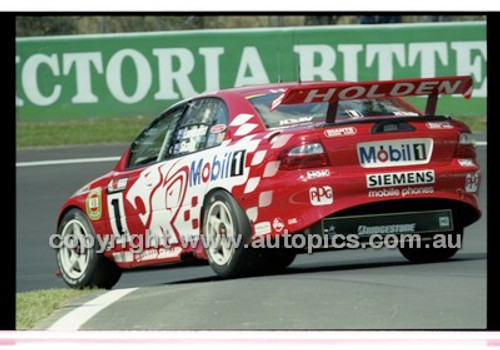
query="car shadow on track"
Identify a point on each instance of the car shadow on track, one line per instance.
(331, 268)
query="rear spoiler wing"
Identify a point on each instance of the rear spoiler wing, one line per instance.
(332, 92)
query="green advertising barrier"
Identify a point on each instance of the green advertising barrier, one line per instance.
(113, 75)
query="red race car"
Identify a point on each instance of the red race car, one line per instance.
(326, 165)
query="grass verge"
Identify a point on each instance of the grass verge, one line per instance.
(35, 306)
(123, 130)
(78, 132)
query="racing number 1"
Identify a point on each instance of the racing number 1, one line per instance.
(116, 211)
(117, 214)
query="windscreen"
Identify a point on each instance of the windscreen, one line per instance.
(292, 115)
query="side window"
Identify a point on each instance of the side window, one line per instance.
(153, 143)
(203, 126)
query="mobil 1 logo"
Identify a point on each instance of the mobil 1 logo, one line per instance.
(403, 152)
(220, 167)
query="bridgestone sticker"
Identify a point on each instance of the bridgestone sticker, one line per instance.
(364, 230)
(394, 223)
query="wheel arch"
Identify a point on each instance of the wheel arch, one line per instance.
(66, 210)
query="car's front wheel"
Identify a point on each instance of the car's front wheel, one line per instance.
(433, 251)
(78, 259)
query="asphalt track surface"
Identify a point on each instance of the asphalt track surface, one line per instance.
(358, 289)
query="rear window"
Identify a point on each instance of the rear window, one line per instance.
(291, 115)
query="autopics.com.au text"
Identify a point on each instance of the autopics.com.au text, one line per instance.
(137, 243)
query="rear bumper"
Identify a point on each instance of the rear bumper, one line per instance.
(300, 202)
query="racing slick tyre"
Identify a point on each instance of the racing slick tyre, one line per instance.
(228, 233)
(429, 253)
(79, 262)
(276, 260)
(282, 259)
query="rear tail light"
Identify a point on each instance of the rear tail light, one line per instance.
(466, 148)
(466, 138)
(311, 155)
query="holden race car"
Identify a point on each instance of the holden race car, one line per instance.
(296, 158)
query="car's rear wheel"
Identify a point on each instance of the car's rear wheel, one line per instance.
(79, 262)
(430, 251)
(282, 258)
(275, 260)
(227, 233)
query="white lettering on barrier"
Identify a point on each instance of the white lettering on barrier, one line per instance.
(386, 54)
(211, 56)
(29, 79)
(114, 78)
(469, 57)
(251, 61)
(428, 53)
(350, 55)
(82, 61)
(167, 76)
(310, 71)
(174, 69)
(19, 101)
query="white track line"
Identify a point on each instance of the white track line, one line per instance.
(481, 143)
(67, 161)
(73, 320)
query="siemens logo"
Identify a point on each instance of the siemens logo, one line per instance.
(394, 153)
(404, 178)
